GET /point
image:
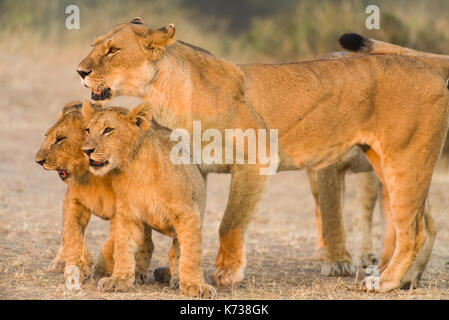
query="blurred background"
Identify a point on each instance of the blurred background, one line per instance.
(241, 30)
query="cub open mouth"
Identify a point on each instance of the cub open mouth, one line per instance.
(101, 95)
(63, 174)
(97, 164)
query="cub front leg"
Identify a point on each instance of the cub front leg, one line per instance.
(75, 219)
(105, 262)
(191, 280)
(128, 236)
(170, 274)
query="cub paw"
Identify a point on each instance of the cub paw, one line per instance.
(142, 277)
(371, 283)
(202, 290)
(368, 259)
(162, 275)
(110, 284)
(337, 269)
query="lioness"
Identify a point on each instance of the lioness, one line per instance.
(149, 190)
(86, 193)
(395, 108)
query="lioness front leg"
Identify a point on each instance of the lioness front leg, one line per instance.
(247, 188)
(105, 262)
(338, 261)
(75, 220)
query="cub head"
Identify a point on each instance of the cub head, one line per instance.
(111, 135)
(61, 149)
(122, 60)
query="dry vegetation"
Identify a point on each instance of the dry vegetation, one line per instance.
(39, 78)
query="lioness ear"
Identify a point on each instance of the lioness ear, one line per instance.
(69, 107)
(164, 35)
(137, 20)
(155, 41)
(141, 116)
(87, 110)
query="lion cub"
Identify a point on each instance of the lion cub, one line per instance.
(86, 193)
(150, 189)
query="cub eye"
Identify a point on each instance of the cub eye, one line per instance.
(107, 130)
(112, 50)
(87, 131)
(59, 140)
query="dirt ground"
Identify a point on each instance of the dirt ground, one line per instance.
(280, 240)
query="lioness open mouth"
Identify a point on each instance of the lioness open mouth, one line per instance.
(63, 174)
(101, 95)
(97, 164)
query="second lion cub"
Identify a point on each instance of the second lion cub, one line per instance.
(149, 189)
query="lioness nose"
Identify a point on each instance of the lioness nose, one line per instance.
(83, 73)
(41, 162)
(88, 151)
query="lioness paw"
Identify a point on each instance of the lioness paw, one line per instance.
(57, 265)
(228, 276)
(202, 290)
(110, 284)
(337, 269)
(371, 283)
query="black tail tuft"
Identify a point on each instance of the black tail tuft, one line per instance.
(355, 42)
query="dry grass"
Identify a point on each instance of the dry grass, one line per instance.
(280, 242)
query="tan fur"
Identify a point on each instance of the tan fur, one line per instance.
(321, 109)
(86, 194)
(149, 190)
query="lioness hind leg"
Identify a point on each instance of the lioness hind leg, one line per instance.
(407, 186)
(338, 260)
(368, 187)
(414, 274)
(319, 245)
(247, 188)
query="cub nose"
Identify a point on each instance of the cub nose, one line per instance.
(41, 162)
(83, 73)
(88, 151)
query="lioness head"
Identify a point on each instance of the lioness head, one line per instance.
(61, 149)
(122, 60)
(111, 134)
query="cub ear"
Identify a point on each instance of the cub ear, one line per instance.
(87, 110)
(141, 115)
(69, 107)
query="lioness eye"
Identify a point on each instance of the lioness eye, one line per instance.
(107, 130)
(112, 50)
(59, 140)
(87, 131)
